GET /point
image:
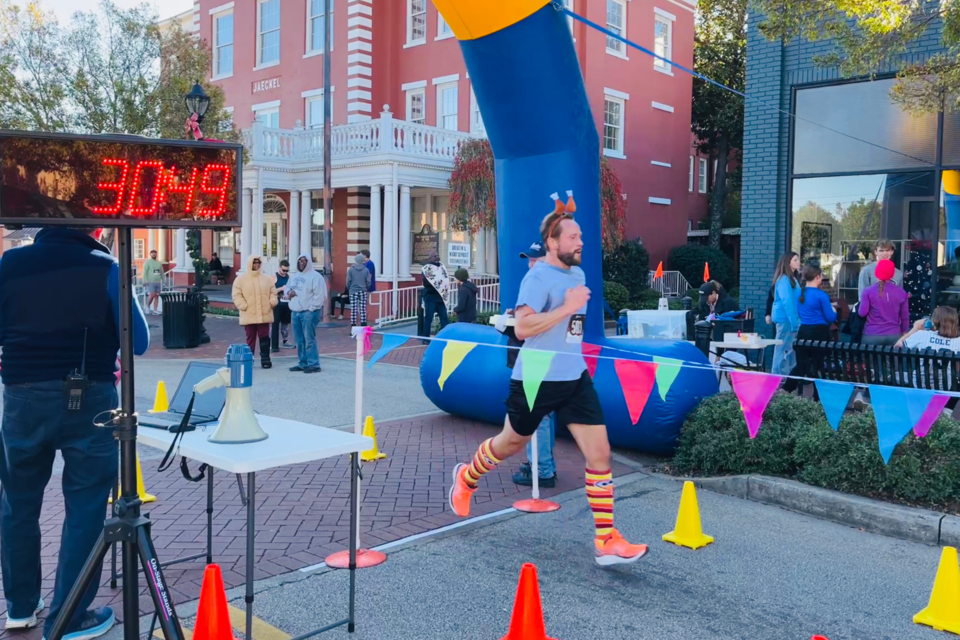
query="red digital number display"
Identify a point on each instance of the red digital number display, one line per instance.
(48, 178)
(211, 189)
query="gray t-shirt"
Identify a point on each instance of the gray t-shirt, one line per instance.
(868, 277)
(543, 289)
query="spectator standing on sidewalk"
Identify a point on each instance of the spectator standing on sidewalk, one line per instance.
(281, 313)
(435, 284)
(358, 284)
(153, 282)
(308, 293)
(466, 297)
(255, 297)
(372, 268)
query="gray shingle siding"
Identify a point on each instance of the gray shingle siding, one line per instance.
(773, 70)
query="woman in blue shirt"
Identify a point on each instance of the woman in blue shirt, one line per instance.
(786, 290)
(816, 315)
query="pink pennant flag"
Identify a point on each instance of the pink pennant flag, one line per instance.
(636, 380)
(366, 331)
(937, 403)
(588, 351)
(754, 391)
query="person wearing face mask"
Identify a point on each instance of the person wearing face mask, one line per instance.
(255, 297)
(281, 312)
(307, 292)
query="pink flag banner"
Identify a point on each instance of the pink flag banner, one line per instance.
(636, 380)
(930, 415)
(590, 353)
(754, 391)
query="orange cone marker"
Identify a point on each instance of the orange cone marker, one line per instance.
(527, 620)
(213, 617)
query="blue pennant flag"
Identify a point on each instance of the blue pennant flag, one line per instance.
(896, 410)
(834, 397)
(390, 342)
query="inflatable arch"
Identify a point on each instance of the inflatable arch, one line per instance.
(527, 80)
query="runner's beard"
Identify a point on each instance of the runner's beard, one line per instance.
(571, 259)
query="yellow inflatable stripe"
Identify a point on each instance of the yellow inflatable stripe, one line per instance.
(472, 19)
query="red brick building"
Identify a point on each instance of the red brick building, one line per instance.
(402, 104)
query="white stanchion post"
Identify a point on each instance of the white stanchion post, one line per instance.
(358, 411)
(535, 466)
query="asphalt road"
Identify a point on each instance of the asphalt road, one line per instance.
(771, 575)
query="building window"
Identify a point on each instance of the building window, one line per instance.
(268, 29)
(443, 29)
(662, 42)
(690, 185)
(314, 112)
(416, 106)
(317, 26)
(703, 175)
(269, 117)
(447, 99)
(138, 253)
(613, 127)
(223, 45)
(416, 22)
(616, 23)
(476, 118)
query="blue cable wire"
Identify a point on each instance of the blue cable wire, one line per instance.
(562, 9)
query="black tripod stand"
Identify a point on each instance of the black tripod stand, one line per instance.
(127, 526)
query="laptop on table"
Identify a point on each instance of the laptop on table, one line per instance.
(206, 408)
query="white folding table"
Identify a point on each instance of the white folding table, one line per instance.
(290, 442)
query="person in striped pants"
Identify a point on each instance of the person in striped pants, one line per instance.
(358, 282)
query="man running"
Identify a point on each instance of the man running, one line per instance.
(551, 310)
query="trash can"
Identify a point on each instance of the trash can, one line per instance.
(182, 313)
(703, 334)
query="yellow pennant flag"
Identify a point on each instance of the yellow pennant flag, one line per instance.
(453, 354)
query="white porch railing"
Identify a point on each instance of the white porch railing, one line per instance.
(400, 305)
(384, 135)
(671, 285)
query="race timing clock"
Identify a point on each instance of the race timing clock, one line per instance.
(96, 181)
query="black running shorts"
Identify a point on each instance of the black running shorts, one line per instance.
(575, 402)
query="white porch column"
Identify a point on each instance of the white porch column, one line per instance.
(389, 228)
(184, 264)
(151, 241)
(294, 243)
(163, 235)
(246, 229)
(493, 264)
(257, 235)
(376, 230)
(481, 237)
(406, 240)
(306, 221)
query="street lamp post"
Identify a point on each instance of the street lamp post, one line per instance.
(327, 169)
(197, 102)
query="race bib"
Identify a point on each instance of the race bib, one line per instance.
(575, 328)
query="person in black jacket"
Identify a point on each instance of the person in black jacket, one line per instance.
(713, 299)
(466, 298)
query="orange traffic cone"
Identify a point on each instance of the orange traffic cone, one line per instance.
(527, 620)
(213, 617)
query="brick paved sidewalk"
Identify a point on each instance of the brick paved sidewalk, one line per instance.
(303, 512)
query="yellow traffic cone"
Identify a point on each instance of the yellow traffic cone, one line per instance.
(141, 489)
(688, 532)
(161, 404)
(374, 453)
(943, 612)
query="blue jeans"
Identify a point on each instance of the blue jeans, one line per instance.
(305, 334)
(35, 425)
(784, 358)
(546, 433)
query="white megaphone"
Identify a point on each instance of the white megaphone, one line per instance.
(238, 424)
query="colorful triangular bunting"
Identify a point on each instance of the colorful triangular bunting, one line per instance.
(937, 403)
(834, 397)
(636, 380)
(896, 411)
(390, 342)
(754, 391)
(590, 351)
(453, 354)
(535, 365)
(667, 373)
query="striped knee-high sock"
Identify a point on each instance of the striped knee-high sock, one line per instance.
(484, 460)
(600, 497)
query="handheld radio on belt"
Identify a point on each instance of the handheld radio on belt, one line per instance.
(76, 383)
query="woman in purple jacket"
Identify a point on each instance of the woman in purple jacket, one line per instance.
(885, 307)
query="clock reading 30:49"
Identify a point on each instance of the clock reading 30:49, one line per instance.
(57, 179)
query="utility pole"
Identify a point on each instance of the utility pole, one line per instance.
(327, 169)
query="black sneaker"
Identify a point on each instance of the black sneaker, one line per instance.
(312, 370)
(524, 478)
(296, 368)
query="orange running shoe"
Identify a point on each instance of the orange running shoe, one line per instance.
(616, 550)
(460, 494)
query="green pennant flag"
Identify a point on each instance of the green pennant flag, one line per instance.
(667, 372)
(535, 365)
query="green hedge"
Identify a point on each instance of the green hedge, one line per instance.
(616, 296)
(689, 260)
(795, 441)
(629, 265)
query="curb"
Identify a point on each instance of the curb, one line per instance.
(897, 521)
